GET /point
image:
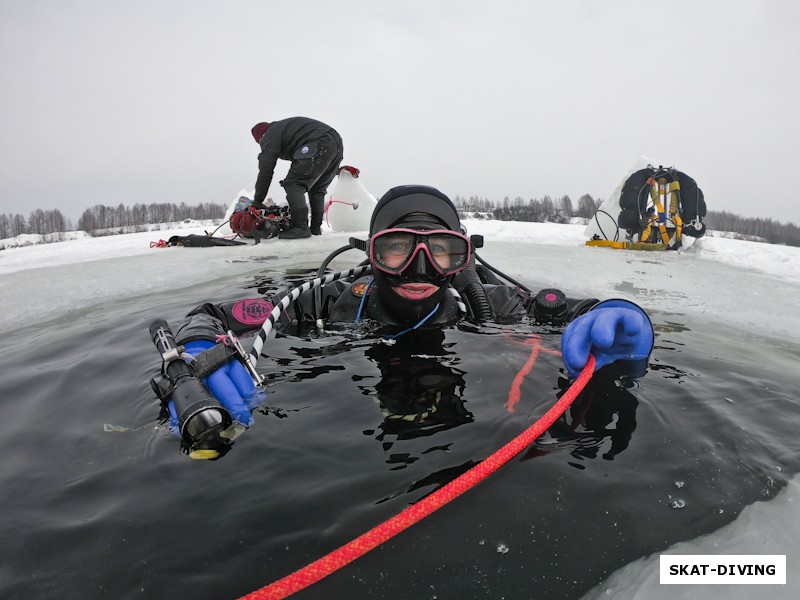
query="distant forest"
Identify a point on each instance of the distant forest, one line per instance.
(561, 210)
(103, 220)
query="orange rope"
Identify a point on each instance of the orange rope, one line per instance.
(514, 393)
(346, 554)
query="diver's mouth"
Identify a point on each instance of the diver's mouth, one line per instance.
(416, 291)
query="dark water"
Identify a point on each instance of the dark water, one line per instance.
(98, 501)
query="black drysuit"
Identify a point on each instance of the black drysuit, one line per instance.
(315, 150)
(340, 302)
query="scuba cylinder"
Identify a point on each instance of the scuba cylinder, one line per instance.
(201, 418)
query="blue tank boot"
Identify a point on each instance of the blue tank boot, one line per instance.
(199, 417)
(208, 392)
(231, 384)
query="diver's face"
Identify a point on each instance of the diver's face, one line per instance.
(434, 253)
(418, 259)
(414, 266)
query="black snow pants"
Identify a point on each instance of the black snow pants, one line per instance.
(313, 167)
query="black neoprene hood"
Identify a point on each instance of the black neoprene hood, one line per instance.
(403, 200)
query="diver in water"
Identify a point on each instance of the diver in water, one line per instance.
(419, 254)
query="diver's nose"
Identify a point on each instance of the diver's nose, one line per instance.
(419, 264)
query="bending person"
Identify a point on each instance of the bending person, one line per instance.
(316, 151)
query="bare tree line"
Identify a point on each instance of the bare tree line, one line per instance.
(101, 218)
(771, 231)
(535, 210)
(104, 219)
(560, 210)
(42, 222)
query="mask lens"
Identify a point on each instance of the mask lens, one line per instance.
(449, 252)
(393, 250)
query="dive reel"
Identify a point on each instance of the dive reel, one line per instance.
(201, 418)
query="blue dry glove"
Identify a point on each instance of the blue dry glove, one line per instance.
(231, 384)
(613, 330)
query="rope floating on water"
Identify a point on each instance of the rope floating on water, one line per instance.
(346, 554)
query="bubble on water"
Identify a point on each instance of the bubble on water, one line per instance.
(502, 548)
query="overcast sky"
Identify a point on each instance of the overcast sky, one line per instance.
(152, 101)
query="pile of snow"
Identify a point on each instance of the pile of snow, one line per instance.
(731, 235)
(33, 239)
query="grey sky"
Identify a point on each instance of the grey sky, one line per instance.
(152, 101)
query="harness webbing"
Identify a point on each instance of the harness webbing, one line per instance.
(663, 194)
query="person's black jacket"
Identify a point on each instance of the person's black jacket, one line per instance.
(281, 140)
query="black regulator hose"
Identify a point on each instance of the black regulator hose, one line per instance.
(201, 417)
(321, 271)
(468, 283)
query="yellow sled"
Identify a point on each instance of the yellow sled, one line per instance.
(627, 245)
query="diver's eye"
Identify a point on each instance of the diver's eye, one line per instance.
(394, 244)
(397, 248)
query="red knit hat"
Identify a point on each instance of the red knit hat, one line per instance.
(258, 130)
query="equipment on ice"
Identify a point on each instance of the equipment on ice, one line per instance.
(267, 222)
(655, 207)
